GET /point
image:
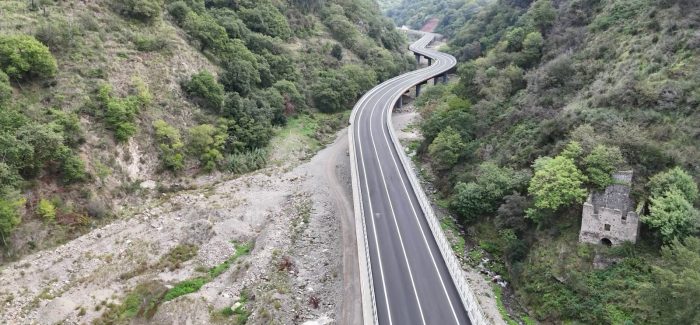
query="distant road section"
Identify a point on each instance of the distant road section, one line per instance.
(410, 279)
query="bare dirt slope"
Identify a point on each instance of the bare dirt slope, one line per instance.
(294, 274)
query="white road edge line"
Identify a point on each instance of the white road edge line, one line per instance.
(374, 229)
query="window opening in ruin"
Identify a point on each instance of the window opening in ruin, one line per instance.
(607, 227)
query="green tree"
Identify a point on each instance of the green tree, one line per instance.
(601, 163)
(205, 30)
(207, 142)
(675, 178)
(46, 210)
(23, 57)
(490, 186)
(337, 51)
(673, 294)
(170, 145)
(447, 148)
(266, 19)
(672, 215)
(5, 88)
(542, 14)
(532, 49)
(557, 183)
(9, 216)
(205, 90)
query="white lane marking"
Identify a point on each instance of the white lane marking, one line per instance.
(393, 213)
(415, 214)
(374, 228)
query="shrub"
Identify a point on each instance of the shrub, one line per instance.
(9, 216)
(179, 10)
(72, 168)
(207, 142)
(446, 148)
(170, 145)
(24, 57)
(143, 10)
(205, 90)
(601, 163)
(46, 210)
(58, 35)
(5, 88)
(120, 113)
(150, 43)
(184, 287)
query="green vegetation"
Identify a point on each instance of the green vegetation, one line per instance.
(143, 10)
(552, 98)
(46, 210)
(120, 113)
(23, 57)
(205, 88)
(170, 145)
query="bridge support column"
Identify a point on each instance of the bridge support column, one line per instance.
(444, 78)
(418, 90)
(399, 103)
(430, 61)
(417, 58)
(435, 80)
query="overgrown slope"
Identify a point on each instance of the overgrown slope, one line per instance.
(553, 96)
(104, 102)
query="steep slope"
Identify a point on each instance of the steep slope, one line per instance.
(552, 97)
(416, 14)
(121, 100)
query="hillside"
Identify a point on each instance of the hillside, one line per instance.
(106, 103)
(552, 97)
(416, 14)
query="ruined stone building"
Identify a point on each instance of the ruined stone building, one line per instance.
(609, 217)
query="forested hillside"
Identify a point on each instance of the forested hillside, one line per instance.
(101, 100)
(448, 12)
(552, 97)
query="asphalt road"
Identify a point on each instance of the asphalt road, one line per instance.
(411, 282)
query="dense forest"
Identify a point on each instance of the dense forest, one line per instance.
(99, 96)
(552, 97)
(449, 13)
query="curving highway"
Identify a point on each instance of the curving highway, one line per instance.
(411, 282)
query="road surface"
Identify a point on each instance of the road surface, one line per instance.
(412, 284)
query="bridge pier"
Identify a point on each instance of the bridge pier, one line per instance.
(399, 103)
(418, 56)
(418, 87)
(430, 61)
(444, 78)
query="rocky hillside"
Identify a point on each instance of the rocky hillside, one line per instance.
(105, 102)
(553, 96)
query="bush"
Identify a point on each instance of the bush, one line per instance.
(601, 163)
(207, 142)
(170, 145)
(58, 35)
(46, 210)
(205, 90)
(675, 178)
(150, 43)
(120, 113)
(143, 10)
(5, 88)
(23, 57)
(72, 168)
(672, 216)
(179, 10)
(446, 149)
(9, 216)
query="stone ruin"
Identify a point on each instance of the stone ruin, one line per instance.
(608, 217)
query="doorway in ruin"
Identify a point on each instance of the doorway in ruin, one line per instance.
(606, 242)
